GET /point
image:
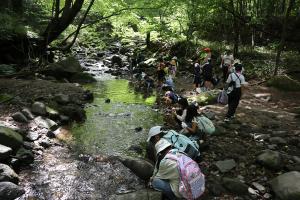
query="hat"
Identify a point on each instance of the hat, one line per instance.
(155, 130)
(174, 58)
(207, 49)
(161, 145)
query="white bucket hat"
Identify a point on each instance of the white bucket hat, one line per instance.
(155, 130)
(161, 145)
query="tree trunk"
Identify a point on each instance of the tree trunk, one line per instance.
(148, 39)
(283, 35)
(58, 25)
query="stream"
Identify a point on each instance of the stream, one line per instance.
(80, 167)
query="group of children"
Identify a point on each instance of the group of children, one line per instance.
(167, 174)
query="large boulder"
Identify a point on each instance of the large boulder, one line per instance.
(270, 159)
(39, 108)
(82, 78)
(8, 174)
(287, 186)
(10, 138)
(140, 167)
(140, 194)
(10, 191)
(73, 112)
(5, 152)
(64, 68)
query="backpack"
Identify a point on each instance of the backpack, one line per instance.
(205, 125)
(233, 83)
(192, 180)
(222, 97)
(183, 143)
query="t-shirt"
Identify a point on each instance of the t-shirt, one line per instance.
(238, 78)
(228, 59)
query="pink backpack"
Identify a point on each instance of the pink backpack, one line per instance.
(192, 181)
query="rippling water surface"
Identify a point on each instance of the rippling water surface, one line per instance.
(60, 173)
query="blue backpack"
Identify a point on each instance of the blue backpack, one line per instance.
(183, 143)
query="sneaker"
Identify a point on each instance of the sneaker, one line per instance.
(226, 119)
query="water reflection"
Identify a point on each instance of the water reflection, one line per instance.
(110, 128)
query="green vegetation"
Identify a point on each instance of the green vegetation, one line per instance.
(260, 33)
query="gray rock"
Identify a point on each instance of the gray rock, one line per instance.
(73, 112)
(8, 174)
(140, 167)
(52, 114)
(45, 143)
(46, 123)
(117, 60)
(142, 194)
(235, 186)
(5, 152)
(279, 133)
(19, 117)
(10, 191)
(10, 138)
(277, 140)
(286, 186)
(24, 156)
(39, 108)
(270, 159)
(27, 113)
(62, 99)
(64, 68)
(32, 136)
(225, 165)
(64, 119)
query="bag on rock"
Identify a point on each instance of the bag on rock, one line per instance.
(192, 180)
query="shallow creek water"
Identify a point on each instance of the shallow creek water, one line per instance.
(65, 172)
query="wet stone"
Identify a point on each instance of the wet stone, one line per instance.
(32, 136)
(270, 159)
(235, 186)
(277, 140)
(10, 191)
(39, 108)
(8, 174)
(19, 117)
(225, 165)
(5, 152)
(27, 113)
(285, 186)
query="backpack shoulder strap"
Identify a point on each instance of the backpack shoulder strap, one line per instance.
(238, 77)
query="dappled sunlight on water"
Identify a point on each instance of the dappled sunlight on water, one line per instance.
(110, 127)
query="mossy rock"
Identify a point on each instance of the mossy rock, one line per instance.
(10, 138)
(205, 98)
(7, 69)
(284, 83)
(82, 78)
(5, 97)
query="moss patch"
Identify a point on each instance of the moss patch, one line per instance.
(284, 83)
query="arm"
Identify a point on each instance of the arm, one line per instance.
(193, 129)
(182, 117)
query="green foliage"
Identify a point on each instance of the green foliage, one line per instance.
(11, 26)
(284, 83)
